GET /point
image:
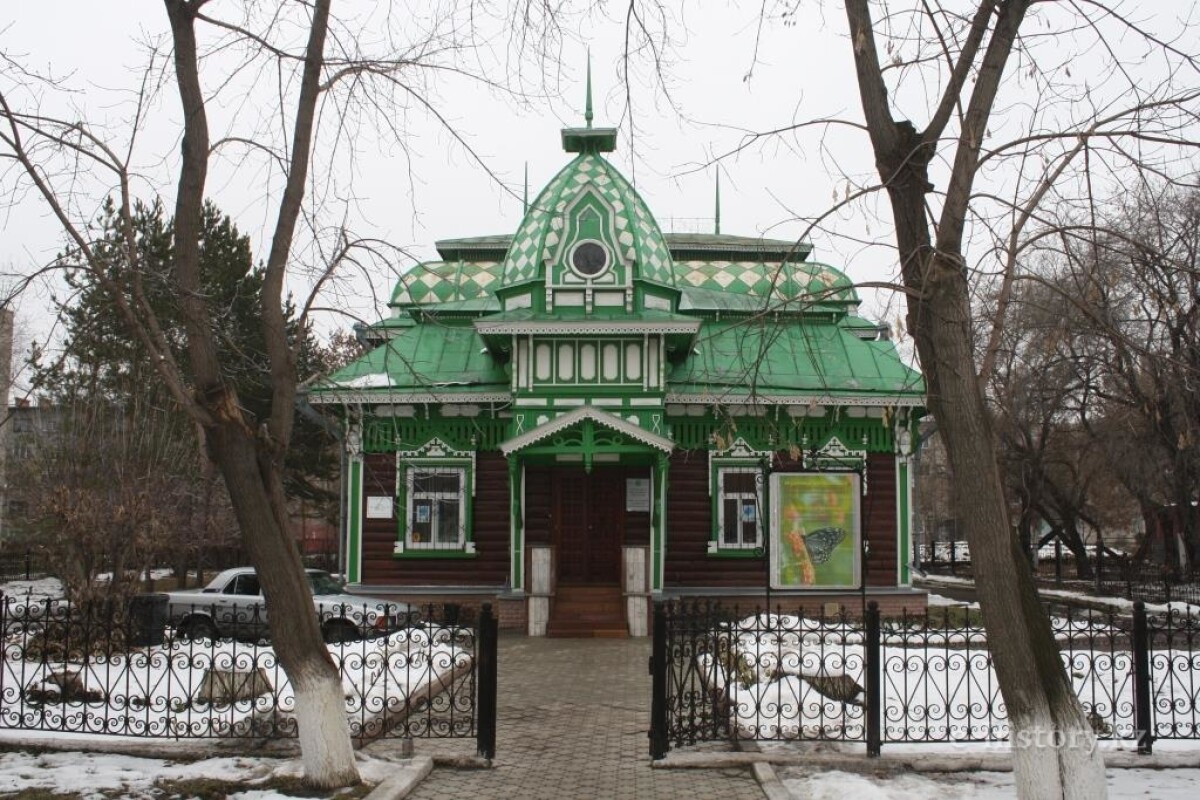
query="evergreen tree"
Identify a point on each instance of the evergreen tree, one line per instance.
(100, 363)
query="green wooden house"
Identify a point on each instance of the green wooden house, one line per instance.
(587, 414)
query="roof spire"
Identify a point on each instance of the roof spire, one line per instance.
(588, 139)
(525, 196)
(587, 108)
(717, 215)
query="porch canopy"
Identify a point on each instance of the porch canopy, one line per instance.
(587, 434)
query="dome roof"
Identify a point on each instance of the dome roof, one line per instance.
(540, 233)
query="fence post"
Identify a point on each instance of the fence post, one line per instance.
(658, 684)
(27, 563)
(874, 668)
(486, 676)
(1141, 679)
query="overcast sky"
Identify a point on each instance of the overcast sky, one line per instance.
(411, 182)
(717, 91)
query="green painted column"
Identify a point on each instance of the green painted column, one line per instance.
(517, 524)
(354, 508)
(658, 529)
(903, 521)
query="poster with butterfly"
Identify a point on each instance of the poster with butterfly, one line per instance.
(815, 530)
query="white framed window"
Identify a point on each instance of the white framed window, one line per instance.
(436, 508)
(435, 486)
(739, 507)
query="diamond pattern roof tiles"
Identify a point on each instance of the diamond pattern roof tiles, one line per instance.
(818, 283)
(537, 235)
(445, 281)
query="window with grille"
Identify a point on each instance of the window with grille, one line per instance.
(436, 512)
(739, 522)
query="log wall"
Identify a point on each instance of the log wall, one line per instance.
(489, 566)
(690, 521)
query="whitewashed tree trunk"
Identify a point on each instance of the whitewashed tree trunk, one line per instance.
(1053, 746)
(1068, 769)
(250, 453)
(324, 730)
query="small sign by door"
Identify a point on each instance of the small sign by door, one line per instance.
(379, 507)
(637, 494)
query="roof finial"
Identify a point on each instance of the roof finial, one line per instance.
(525, 196)
(588, 139)
(587, 109)
(717, 216)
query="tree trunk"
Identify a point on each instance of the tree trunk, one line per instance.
(1074, 542)
(248, 453)
(256, 492)
(1054, 753)
(1053, 745)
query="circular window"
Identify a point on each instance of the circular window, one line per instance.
(589, 259)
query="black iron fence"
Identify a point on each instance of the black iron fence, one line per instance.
(1113, 573)
(1146, 581)
(719, 674)
(122, 669)
(21, 565)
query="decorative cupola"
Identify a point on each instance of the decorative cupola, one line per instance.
(588, 244)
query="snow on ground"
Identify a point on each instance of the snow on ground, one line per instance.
(1117, 604)
(1123, 784)
(37, 589)
(91, 774)
(157, 691)
(939, 601)
(789, 677)
(156, 574)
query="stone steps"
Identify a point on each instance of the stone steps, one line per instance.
(587, 611)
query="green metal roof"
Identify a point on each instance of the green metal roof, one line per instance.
(792, 359)
(735, 248)
(482, 248)
(422, 357)
(574, 315)
(700, 246)
(728, 359)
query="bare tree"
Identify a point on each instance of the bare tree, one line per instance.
(319, 69)
(249, 453)
(969, 58)
(1128, 297)
(1050, 463)
(110, 488)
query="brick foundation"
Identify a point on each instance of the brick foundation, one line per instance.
(511, 613)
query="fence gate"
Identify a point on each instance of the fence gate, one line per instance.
(708, 660)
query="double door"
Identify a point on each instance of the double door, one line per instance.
(587, 523)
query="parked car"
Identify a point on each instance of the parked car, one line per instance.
(232, 605)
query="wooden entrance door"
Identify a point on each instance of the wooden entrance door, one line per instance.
(588, 524)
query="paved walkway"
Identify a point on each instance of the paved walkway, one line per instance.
(572, 722)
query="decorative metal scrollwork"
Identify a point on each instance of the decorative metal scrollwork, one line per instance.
(776, 676)
(116, 670)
